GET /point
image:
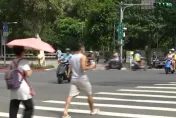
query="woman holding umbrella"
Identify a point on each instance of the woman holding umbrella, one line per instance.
(24, 93)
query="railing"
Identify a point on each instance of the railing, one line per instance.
(30, 56)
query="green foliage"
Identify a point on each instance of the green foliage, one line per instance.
(36, 66)
(63, 22)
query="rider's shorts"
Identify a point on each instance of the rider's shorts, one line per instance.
(80, 85)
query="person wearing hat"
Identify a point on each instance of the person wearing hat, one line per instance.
(66, 57)
(171, 56)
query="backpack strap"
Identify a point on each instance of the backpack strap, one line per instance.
(15, 66)
(16, 63)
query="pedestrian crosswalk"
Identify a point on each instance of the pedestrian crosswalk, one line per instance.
(154, 101)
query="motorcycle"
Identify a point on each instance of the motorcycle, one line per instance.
(114, 65)
(136, 66)
(62, 72)
(168, 65)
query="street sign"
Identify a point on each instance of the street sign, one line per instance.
(5, 30)
(120, 31)
(149, 2)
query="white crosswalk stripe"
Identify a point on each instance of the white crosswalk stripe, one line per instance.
(157, 87)
(166, 84)
(101, 113)
(145, 102)
(129, 100)
(115, 106)
(142, 95)
(3, 114)
(146, 91)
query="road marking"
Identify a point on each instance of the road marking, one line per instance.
(156, 87)
(165, 84)
(115, 106)
(129, 100)
(172, 82)
(146, 91)
(3, 114)
(129, 94)
(100, 113)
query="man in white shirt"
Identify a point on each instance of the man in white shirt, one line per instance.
(80, 80)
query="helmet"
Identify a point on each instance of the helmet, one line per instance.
(115, 55)
(67, 49)
(172, 49)
(91, 51)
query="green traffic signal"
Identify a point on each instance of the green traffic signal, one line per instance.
(162, 4)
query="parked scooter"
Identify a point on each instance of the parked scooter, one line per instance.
(168, 68)
(62, 72)
(114, 65)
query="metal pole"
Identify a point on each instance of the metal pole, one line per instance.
(121, 41)
(122, 9)
(157, 40)
(114, 37)
(1, 43)
(82, 30)
(5, 51)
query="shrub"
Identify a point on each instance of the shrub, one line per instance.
(37, 66)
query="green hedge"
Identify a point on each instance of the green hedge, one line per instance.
(37, 66)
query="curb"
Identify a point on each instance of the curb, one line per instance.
(50, 69)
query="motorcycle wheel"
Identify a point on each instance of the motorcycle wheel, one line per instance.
(133, 68)
(60, 79)
(167, 71)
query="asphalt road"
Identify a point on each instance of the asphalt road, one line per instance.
(118, 94)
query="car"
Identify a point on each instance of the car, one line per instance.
(159, 62)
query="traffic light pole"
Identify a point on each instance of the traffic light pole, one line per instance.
(122, 10)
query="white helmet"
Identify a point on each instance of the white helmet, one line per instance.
(172, 49)
(91, 51)
(115, 54)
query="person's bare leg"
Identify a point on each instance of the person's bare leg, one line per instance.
(90, 101)
(68, 73)
(68, 100)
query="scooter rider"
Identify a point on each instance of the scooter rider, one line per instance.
(175, 57)
(137, 57)
(65, 58)
(116, 57)
(171, 56)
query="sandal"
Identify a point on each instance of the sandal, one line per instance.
(95, 112)
(66, 116)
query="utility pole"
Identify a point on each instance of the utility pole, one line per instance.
(114, 36)
(122, 10)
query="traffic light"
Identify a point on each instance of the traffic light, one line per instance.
(162, 4)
